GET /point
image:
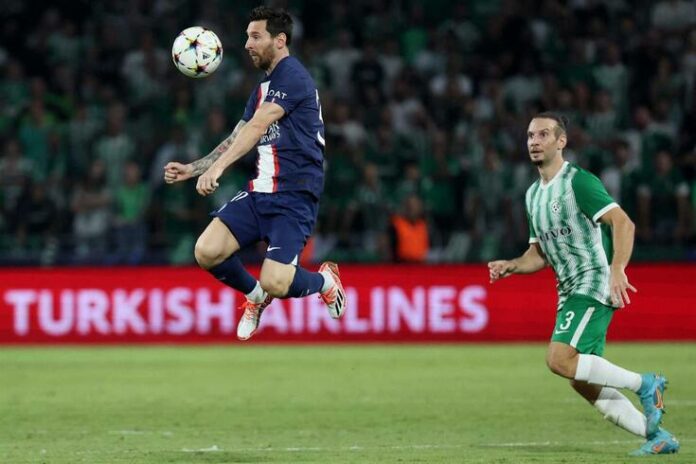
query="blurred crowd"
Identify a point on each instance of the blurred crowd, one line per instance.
(426, 106)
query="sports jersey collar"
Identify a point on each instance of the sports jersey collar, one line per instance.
(544, 186)
(277, 65)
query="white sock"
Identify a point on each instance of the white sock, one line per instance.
(257, 295)
(328, 281)
(599, 371)
(617, 409)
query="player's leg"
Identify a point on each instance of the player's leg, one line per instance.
(575, 353)
(614, 406)
(215, 252)
(235, 226)
(292, 281)
(619, 410)
(288, 232)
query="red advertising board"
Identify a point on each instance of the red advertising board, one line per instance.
(385, 304)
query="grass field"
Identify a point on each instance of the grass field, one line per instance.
(350, 404)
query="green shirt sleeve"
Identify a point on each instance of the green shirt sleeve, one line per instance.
(591, 196)
(532, 235)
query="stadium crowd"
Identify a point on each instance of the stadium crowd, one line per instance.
(426, 106)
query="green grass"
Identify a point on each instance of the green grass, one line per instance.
(324, 404)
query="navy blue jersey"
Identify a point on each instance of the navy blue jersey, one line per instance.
(291, 152)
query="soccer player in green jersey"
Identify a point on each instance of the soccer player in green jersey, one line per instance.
(569, 211)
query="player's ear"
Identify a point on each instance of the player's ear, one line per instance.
(281, 39)
(562, 141)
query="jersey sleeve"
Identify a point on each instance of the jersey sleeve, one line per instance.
(527, 202)
(250, 107)
(591, 196)
(287, 90)
(532, 235)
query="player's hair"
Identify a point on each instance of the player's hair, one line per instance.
(561, 121)
(277, 20)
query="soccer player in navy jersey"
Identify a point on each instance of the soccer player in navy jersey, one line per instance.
(283, 120)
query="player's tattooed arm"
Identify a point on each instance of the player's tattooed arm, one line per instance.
(201, 165)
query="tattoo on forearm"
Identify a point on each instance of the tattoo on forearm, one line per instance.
(201, 165)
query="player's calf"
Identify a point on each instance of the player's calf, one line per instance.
(275, 287)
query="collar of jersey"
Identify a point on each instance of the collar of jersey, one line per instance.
(544, 186)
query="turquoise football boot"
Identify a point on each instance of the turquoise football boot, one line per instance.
(651, 398)
(663, 443)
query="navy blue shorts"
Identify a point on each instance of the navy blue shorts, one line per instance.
(284, 220)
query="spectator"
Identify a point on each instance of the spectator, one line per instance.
(340, 60)
(367, 74)
(91, 206)
(490, 208)
(37, 220)
(620, 176)
(16, 170)
(116, 146)
(663, 203)
(367, 213)
(34, 135)
(131, 202)
(409, 232)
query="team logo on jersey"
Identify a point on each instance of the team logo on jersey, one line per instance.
(555, 206)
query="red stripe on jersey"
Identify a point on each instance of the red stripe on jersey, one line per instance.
(259, 96)
(258, 170)
(276, 168)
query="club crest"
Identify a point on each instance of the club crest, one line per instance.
(555, 206)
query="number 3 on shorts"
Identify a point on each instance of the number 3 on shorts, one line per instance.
(568, 319)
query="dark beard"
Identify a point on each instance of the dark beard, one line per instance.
(265, 59)
(264, 63)
(538, 163)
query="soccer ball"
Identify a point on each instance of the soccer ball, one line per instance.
(197, 52)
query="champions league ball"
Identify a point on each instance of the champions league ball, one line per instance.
(197, 52)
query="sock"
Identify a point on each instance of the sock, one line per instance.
(328, 281)
(305, 283)
(617, 409)
(257, 295)
(599, 371)
(231, 272)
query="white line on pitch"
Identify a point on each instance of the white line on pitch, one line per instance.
(574, 443)
(296, 449)
(164, 433)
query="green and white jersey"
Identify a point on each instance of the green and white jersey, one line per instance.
(563, 215)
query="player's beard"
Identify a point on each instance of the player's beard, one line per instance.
(545, 159)
(265, 58)
(538, 162)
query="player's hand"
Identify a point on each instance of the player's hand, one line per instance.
(499, 269)
(176, 172)
(619, 286)
(208, 181)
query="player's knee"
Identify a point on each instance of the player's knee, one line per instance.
(559, 366)
(275, 286)
(207, 254)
